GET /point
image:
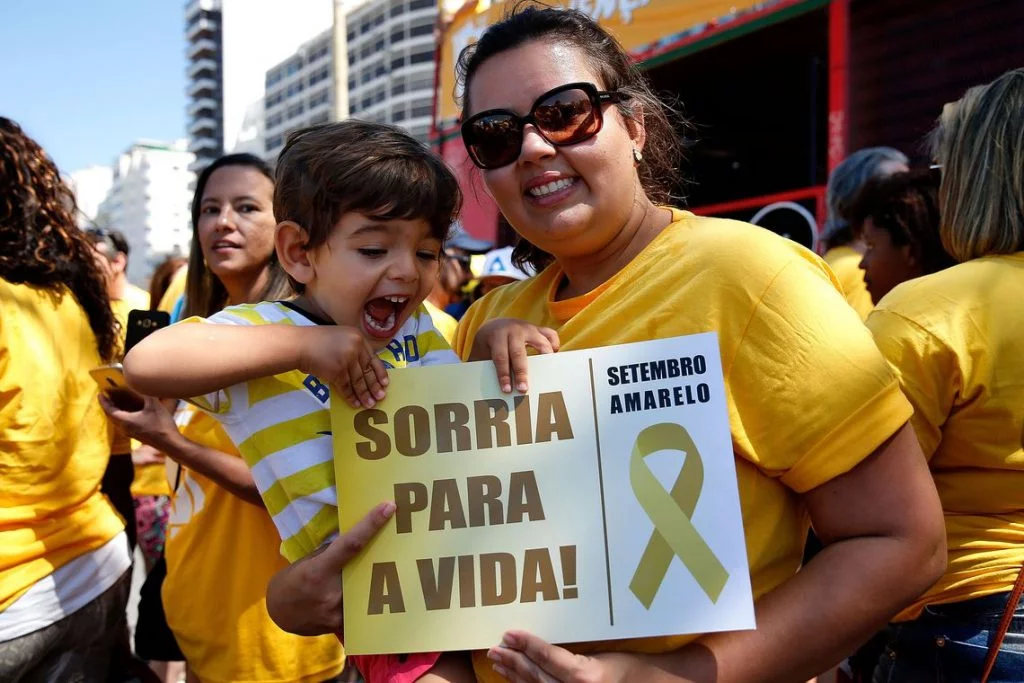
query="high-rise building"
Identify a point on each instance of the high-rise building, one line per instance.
(390, 45)
(150, 202)
(299, 92)
(203, 32)
(257, 34)
(90, 185)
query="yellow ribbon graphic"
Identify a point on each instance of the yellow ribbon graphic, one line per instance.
(674, 534)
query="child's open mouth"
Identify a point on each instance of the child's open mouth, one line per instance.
(383, 316)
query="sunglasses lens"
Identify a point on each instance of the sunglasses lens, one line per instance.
(567, 117)
(494, 140)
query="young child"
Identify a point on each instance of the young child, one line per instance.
(362, 210)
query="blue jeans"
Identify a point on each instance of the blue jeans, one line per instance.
(948, 644)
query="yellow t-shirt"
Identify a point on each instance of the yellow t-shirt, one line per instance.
(956, 340)
(221, 553)
(809, 394)
(54, 442)
(444, 323)
(845, 263)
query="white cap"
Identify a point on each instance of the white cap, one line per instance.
(498, 263)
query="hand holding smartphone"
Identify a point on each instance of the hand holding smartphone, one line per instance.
(110, 378)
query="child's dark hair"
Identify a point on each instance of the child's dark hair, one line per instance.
(529, 21)
(328, 170)
(905, 205)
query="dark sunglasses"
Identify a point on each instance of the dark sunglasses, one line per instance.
(567, 115)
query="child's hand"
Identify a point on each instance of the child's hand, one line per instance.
(341, 356)
(504, 340)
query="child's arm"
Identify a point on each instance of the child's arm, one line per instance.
(192, 359)
(505, 341)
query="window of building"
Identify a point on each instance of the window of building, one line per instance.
(365, 52)
(293, 66)
(273, 121)
(420, 4)
(323, 117)
(351, 84)
(398, 115)
(379, 96)
(421, 83)
(274, 98)
(397, 63)
(397, 9)
(351, 58)
(365, 78)
(319, 75)
(295, 88)
(273, 142)
(273, 77)
(378, 20)
(296, 110)
(351, 35)
(364, 27)
(319, 52)
(316, 99)
(353, 108)
(421, 30)
(379, 45)
(381, 70)
(397, 35)
(421, 57)
(398, 88)
(365, 103)
(420, 108)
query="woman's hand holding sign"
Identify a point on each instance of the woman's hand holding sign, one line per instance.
(305, 598)
(505, 341)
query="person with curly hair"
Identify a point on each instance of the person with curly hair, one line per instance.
(64, 569)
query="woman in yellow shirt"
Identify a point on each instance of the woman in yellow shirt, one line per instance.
(64, 564)
(956, 340)
(579, 156)
(222, 547)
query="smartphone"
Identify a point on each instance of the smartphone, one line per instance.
(111, 380)
(141, 324)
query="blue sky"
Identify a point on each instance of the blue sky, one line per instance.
(86, 78)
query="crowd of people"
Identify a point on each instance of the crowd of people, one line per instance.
(875, 394)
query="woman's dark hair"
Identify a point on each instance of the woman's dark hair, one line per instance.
(161, 279)
(905, 205)
(527, 22)
(40, 243)
(204, 292)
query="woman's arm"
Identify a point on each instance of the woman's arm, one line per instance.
(884, 538)
(154, 426)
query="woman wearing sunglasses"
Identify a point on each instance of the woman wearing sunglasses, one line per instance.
(580, 157)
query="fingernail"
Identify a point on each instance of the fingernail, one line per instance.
(522, 387)
(386, 381)
(507, 388)
(388, 508)
(379, 394)
(500, 670)
(493, 655)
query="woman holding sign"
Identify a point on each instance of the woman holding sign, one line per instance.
(580, 158)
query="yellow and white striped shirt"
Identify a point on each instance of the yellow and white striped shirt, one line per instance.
(282, 424)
